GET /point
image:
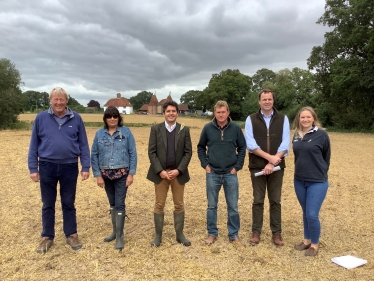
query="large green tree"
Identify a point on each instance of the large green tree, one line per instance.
(75, 105)
(344, 64)
(263, 78)
(284, 90)
(34, 100)
(250, 104)
(191, 98)
(73, 102)
(141, 98)
(294, 89)
(93, 103)
(10, 93)
(229, 85)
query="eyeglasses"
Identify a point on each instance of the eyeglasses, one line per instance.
(114, 116)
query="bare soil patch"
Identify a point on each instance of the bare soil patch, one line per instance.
(347, 217)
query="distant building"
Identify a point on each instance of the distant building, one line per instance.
(155, 107)
(144, 109)
(123, 105)
(152, 105)
(161, 103)
(183, 109)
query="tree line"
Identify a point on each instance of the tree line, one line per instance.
(339, 81)
(34, 101)
(292, 89)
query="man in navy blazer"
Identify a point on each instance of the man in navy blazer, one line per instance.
(170, 152)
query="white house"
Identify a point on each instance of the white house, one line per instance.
(123, 105)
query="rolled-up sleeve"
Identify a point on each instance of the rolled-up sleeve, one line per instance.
(285, 144)
(249, 139)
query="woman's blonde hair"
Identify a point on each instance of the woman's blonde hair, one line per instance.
(296, 122)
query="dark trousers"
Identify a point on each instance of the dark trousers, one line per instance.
(161, 192)
(67, 175)
(273, 184)
(116, 191)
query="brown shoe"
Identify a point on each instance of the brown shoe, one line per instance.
(210, 240)
(237, 242)
(277, 239)
(311, 252)
(301, 246)
(255, 238)
(74, 242)
(45, 244)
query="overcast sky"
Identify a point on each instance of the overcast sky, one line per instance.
(97, 48)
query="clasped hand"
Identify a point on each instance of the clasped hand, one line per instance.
(169, 175)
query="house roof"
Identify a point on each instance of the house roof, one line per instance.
(118, 101)
(153, 100)
(144, 107)
(161, 102)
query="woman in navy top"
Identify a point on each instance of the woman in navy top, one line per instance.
(311, 147)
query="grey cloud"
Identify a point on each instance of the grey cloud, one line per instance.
(111, 46)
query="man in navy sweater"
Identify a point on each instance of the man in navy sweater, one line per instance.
(58, 139)
(221, 150)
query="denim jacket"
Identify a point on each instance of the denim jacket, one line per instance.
(113, 151)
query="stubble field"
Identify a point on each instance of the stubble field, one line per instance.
(347, 217)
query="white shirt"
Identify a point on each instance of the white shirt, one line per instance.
(170, 128)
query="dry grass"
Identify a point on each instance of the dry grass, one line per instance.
(347, 217)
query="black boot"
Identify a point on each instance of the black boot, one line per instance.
(120, 223)
(112, 236)
(159, 225)
(179, 225)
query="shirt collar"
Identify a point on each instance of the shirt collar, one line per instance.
(117, 130)
(68, 112)
(218, 126)
(170, 128)
(314, 129)
(271, 114)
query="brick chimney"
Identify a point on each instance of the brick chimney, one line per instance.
(118, 95)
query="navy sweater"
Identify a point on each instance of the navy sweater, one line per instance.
(223, 149)
(58, 144)
(312, 156)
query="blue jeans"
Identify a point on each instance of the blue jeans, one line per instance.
(116, 190)
(311, 196)
(50, 174)
(231, 188)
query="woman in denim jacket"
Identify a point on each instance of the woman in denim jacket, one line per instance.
(114, 160)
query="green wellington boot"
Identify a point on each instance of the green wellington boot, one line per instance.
(159, 224)
(112, 236)
(179, 225)
(120, 224)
